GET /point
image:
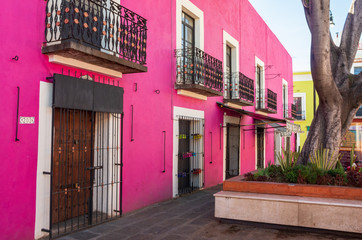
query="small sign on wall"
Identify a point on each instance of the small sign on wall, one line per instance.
(27, 120)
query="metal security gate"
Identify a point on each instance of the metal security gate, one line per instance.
(190, 155)
(232, 150)
(86, 163)
(86, 169)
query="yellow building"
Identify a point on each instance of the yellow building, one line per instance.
(306, 103)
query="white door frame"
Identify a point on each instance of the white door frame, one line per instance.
(179, 111)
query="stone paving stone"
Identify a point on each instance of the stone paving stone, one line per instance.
(157, 230)
(186, 230)
(188, 217)
(66, 238)
(174, 237)
(149, 222)
(112, 236)
(202, 221)
(103, 228)
(83, 235)
(130, 230)
(142, 237)
(162, 216)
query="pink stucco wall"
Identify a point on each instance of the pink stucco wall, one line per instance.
(143, 181)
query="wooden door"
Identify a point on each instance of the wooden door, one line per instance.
(72, 158)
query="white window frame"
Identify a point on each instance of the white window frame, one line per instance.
(285, 100)
(260, 63)
(304, 104)
(193, 11)
(228, 40)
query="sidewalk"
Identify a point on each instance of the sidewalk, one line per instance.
(188, 217)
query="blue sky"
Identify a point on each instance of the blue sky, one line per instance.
(286, 19)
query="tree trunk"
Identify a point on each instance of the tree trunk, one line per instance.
(339, 91)
(324, 132)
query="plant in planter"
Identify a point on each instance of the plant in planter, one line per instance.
(321, 170)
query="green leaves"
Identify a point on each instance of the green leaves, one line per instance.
(324, 159)
(287, 159)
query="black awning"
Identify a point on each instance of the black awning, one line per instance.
(84, 94)
(256, 116)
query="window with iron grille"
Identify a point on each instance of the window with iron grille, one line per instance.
(190, 154)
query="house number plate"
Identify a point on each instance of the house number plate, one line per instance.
(27, 120)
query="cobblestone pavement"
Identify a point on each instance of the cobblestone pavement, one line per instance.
(190, 217)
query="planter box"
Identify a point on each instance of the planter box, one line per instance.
(312, 206)
(320, 191)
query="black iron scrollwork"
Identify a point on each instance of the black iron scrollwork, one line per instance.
(194, 66)
(99, 24)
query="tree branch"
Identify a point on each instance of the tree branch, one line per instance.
(307, 10)
(321, 50)
(334, 49)
(352, 32)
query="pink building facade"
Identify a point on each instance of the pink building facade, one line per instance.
(105, 111)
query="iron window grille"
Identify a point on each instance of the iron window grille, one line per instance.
(239, 87)
(100, 24)
(271, 100)
(194, 66)
(289, 111)
(86, 176)
(269, 103)
(294, 111)
(191, 154)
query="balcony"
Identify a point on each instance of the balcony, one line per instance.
(198, 72)
(266, 101)
(300, 115)
(95, 35)
(239, 89)
(289, 111)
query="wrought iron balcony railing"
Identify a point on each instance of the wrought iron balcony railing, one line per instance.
(289, 111)
(100, 24)
(266, 101)
(294, 111)
(300, 115)
(199, 69)
(239, 87)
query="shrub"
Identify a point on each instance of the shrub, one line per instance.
(324, 159)
(354, 178)
(262, 178)
(249, 176)
(274, 172)
(287, 159)
(291, 175)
